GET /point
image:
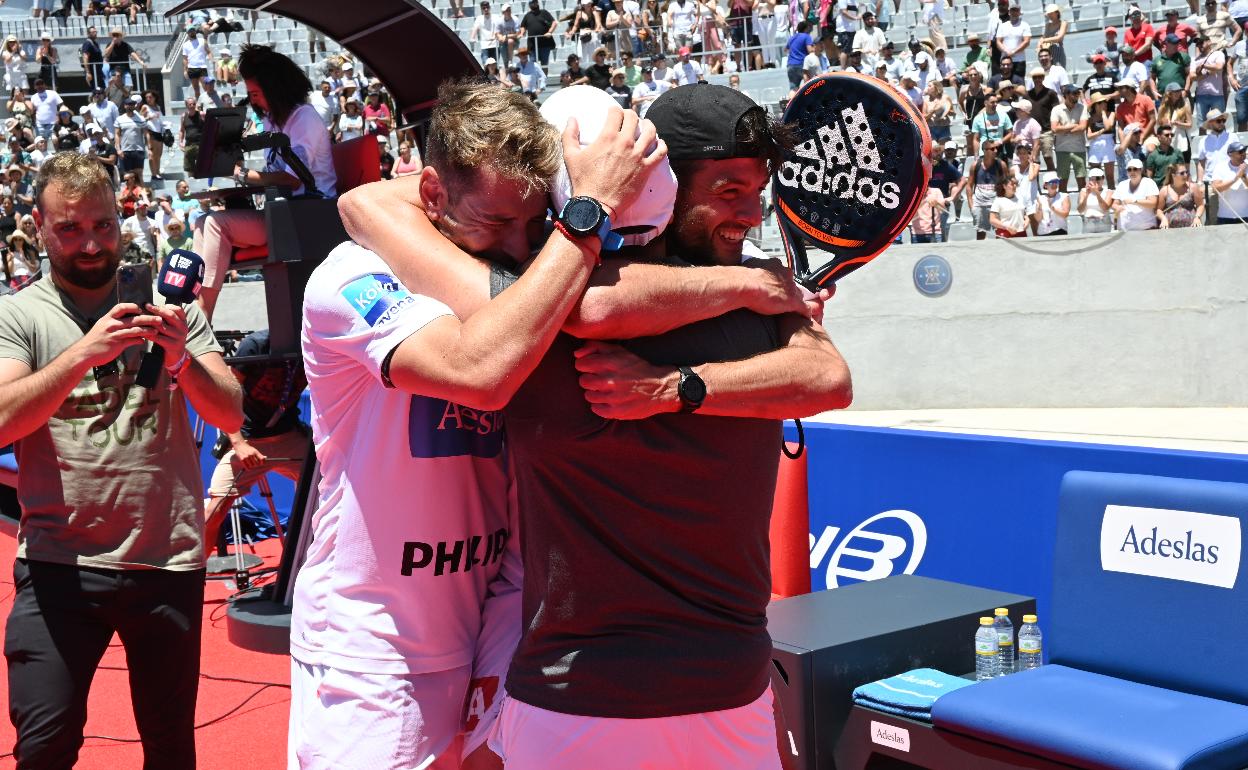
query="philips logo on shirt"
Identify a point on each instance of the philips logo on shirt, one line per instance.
(439, 428)
(1177, 545)
(377, 297)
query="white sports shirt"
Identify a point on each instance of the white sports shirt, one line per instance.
(413, 521)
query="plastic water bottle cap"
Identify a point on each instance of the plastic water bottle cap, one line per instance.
(1029, 618)
(985, 621)
(1002, 611)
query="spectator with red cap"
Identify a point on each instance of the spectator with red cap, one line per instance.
(1102, 79)
(1111, 50)
(687, 70)
(1139, 35)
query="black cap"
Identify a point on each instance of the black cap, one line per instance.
(699, 121)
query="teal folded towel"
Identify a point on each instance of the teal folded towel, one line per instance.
(910, 694)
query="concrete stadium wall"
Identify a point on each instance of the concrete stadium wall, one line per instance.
(1156, 319)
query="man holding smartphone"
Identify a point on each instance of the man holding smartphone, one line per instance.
(111, 535)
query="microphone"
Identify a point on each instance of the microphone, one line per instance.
(180, 279)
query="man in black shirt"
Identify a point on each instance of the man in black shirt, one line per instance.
(1007, 75)
(272, 437)
(573, 75)
(99, 146)
(92, 59)
(539, 26)
(118, 53)
(621, 93)
(1043, 99)
(599, 73)
(192, 133)
(946, 177)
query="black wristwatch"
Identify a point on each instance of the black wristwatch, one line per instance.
(692, 390)
(583, 216)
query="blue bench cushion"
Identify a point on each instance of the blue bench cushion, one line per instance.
(1096, 721)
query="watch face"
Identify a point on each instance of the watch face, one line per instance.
(582, 215)
(693, 389)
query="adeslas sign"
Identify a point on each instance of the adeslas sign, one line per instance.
(1176, 545)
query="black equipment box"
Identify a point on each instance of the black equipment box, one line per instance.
(827, 643)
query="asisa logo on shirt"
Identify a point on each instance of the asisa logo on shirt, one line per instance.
(377, 297)
(1178, 545)
(438, 428)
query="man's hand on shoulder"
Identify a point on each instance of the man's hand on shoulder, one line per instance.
(622, 386)
(776, 292)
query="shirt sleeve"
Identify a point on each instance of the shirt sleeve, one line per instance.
(15, 340)
(354, 307)
(199, 337)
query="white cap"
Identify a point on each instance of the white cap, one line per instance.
(1213, 115)
(653, 208)
(1049, 176)
(910, 75)
(1052, 8)
(1135, 163)
(490, 60)
(1022, 104)
(1096, 173)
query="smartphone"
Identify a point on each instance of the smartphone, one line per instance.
(134, 284)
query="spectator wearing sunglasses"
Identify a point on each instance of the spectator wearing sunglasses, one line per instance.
(1180, 203)
(1158, 162)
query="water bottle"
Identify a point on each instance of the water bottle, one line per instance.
(987, 650)
(1029, 644)
(1005, 638)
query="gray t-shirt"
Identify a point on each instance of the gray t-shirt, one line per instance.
(646, 555)
(131, 128)
(112, 480)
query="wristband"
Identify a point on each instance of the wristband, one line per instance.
(578, 240)
(176, 369)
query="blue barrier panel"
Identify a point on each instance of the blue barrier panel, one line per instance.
(973, 509)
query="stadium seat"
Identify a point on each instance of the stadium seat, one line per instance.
(1145, 599)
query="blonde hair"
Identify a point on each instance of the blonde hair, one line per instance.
(478, 124)
(78, 176)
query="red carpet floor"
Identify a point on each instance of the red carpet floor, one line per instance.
(241, 725)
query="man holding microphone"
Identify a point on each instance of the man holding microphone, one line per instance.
(111, 534)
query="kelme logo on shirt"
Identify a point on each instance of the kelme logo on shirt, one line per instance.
(377, 297)
(438, 428)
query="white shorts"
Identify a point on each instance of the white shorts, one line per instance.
(744, 738)
(343, 720)
(496, 644)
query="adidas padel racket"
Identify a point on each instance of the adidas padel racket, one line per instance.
(856, 177)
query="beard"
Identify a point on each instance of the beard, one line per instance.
(68, 269)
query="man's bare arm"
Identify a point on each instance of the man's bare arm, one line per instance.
(806, 376)
(387, 218)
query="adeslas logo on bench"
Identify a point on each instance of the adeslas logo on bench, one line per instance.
(1177, 545)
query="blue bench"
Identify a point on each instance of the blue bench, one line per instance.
(1145, 635)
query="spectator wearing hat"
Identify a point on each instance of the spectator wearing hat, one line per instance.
(91, 56)
(196, 58)
(65, 133)
(532, 77)
(1130, 147)
(894, 65)
(14, 64)
(1096, 203)
(662, 71)
(47, 104)
(1135, 70)
(1186, 33)
(1052, 206)
(1069, 122)
(1102, 79)
(870, 41)
(48, 59)
(377, 117)
(854, 64)
(1135, 199)
(539, 27)
(599, 73)
(977, 56)
(1230, 181)
(21, 259)
(1206, 78)
(1044, 98)
(1026, 128)
(1139, 36)
(99, 146)
(1013, 38)
(142, 228)
(227, 68)
(1171, 66)
(209, 98)
(1218, 26)
(1102, 136)
(1026, 171)
(350, 123)
(17, 187)
(910, 87)
(102, 112)
(687, 70)
(1054, 36)
(619, 90)
(507, 35)
(119, 54)
(1158, 161)
(1135, 108)
(1180, 203)
(648, 90)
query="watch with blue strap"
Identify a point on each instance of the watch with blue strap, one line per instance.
(583, 216)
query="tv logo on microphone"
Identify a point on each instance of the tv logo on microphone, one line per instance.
(888, 543)
(842, 159)
(176, 279)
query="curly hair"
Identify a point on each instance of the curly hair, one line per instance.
(78, 176)
(284, 84)
(476, 124)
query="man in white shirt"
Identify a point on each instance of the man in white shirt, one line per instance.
(662, 71)
(1133, 69)
(649, 89)
(687, 70)
(1055, 75)
(1213, 144)
(1230, 182)
(1135, 199)
(103, 112)
(532, 78)
(196, 58)
(415, 539)
(682, 20)
(325, 104)
(485, 32)
(47, 103)
(1238, 76)
(1012, 38)
(870, 40)
(141, 226)
(209, 98)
